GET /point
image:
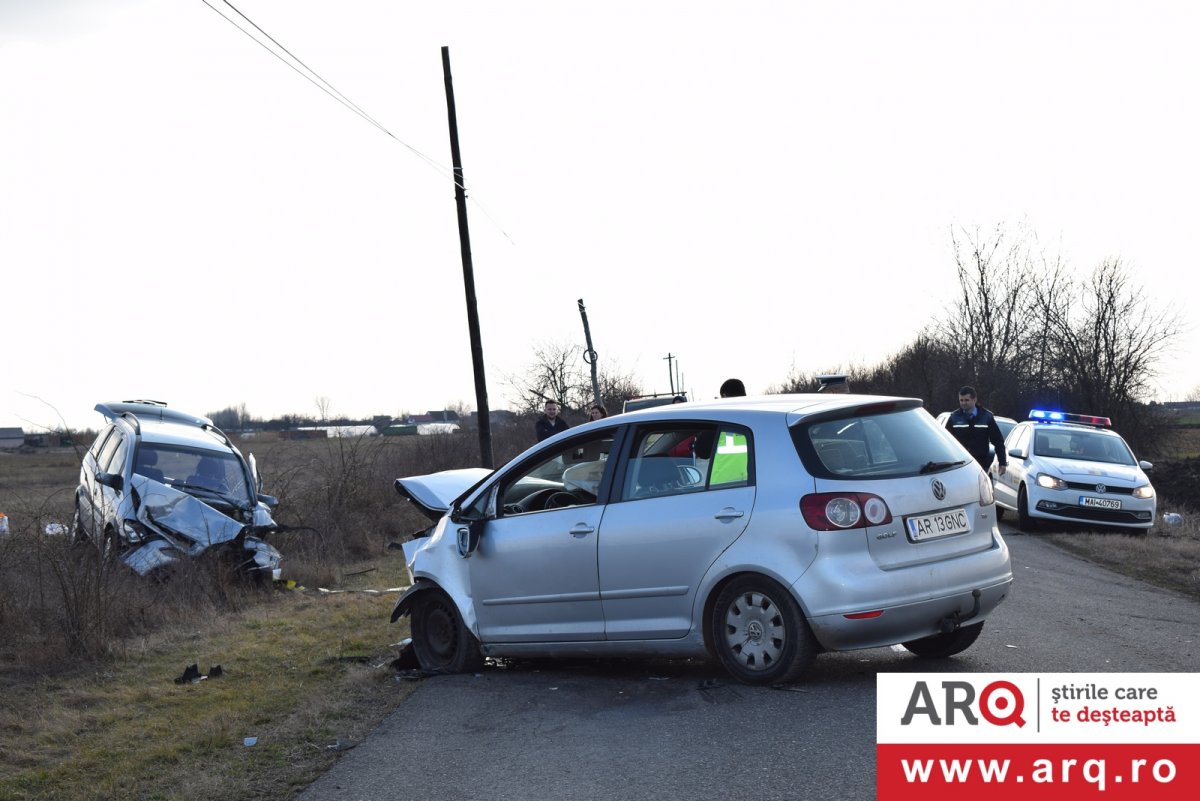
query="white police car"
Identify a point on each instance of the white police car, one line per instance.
(1073, 468)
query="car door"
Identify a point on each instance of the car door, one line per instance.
(88, 511)
(670, 519)
(533, 574)
(107, 494)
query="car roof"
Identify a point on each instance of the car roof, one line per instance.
(171, 433)
(799, 405)
(159, 424)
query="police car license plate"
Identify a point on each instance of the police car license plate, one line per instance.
(1100, 503)
(942, 524)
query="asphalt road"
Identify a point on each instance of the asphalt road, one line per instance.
(682, 730)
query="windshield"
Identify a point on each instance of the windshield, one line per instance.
(1082, 445)
(208, 475)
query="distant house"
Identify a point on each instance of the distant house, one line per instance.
(438, 416)
(11, 438)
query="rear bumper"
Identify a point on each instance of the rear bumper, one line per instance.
(912, 621)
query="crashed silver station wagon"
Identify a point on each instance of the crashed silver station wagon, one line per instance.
(758, 531)
(159, 485)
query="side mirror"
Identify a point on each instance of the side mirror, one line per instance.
(112, 480)
(468, 538)
(1017, 453)
(270, 500)
(1145, 465)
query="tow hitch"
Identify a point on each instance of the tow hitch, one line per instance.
(955, 619)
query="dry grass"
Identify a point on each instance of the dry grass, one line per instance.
(302, 673)
(88, 653)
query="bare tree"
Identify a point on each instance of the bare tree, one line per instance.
(989, 329)
(559, 373)
(555, 374)
(1107, 346)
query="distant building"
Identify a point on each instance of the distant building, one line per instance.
(11, 438)
(439, 416)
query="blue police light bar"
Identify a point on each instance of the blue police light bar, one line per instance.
(1066, 417)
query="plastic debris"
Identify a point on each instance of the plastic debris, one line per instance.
(3, 523)
(55, 529)
(1172, 518)
(249, 741)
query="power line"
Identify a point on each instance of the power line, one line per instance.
(313, 77)
(319, 82)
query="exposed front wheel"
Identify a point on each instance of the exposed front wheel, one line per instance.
(441, 641)
(759, 632)
(1024, 522)
(940, 646)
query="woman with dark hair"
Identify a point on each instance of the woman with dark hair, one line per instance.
(597, 412)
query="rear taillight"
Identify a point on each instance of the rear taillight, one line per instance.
(986, 496)
(837, 511)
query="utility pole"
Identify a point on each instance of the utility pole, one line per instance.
(464, 238)
(670, 371)
(589, 355)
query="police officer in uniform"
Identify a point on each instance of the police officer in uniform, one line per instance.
(975, 427)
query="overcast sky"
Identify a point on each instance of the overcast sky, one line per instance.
(751, 187)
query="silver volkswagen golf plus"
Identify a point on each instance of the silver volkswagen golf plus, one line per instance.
(757, 531)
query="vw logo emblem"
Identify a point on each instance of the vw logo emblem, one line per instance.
(1101, 488)
(939, 490)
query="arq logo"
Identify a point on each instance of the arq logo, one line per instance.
(1000, 703)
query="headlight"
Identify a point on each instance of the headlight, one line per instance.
(1143, 492)
(1050, 482)
(134, 531)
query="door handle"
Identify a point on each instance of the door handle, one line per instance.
(729, 513)
(580, 530)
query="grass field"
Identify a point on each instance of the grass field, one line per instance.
(306, 672)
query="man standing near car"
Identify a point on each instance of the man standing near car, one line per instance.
(975, 427)
(549, 423)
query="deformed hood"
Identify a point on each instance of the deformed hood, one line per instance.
(183, 515)
(433, 493)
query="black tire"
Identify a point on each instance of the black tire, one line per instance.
(441, 642)
(1024, 522)
(940, 646)
(759, 632)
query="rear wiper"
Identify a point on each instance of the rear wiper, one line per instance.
(933, 467)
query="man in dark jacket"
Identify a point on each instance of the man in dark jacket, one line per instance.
(974, 426)
(549, 423)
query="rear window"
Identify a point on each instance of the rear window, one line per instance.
(887, 445)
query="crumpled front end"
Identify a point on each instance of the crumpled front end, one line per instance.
(434, 562)
(171, 524)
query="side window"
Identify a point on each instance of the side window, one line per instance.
(99, 443)
(1021, 440)
(107, 450)
(670, 461)
(731, 459)
(116, 464)
(570, 475)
